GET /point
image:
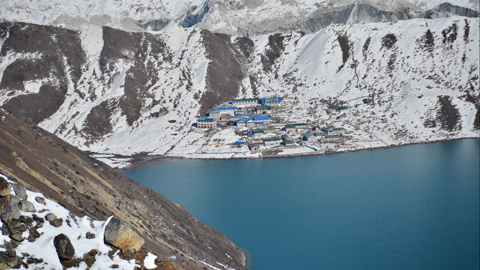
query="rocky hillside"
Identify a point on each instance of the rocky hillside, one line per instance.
(35, 236)
(39, 161)
(126, 93)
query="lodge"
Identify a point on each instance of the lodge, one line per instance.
(274, 101)
(245, 101)
(272, 142)
(333, 131)
(204, 122)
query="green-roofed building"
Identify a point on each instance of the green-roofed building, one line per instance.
(294, 127)
(333, 131)
(288, 142)
(338, 108)
(245, 101)
(272, 141)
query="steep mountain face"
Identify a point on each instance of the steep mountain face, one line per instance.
(44, 163)
(114, 92)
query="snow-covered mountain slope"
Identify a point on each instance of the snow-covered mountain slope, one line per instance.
(395, 77)
(242, 16)
(109, 91)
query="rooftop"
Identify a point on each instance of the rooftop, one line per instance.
(245, 99)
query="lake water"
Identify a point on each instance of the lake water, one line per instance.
(411, 207)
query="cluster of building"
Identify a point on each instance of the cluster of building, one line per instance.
(307, 133)
(247, 112)
(252, 116)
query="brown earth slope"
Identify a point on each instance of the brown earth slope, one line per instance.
(44, 163)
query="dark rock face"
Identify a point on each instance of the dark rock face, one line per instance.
(51, 44)
(275, 49)
(64, 247)
(224, 73)
(98, 120)
(448, 115)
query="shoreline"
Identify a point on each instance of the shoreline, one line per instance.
(145, 160)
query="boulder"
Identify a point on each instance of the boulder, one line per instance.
(27, 206)
(17, 237)
(119, 234)
(9, 208)
(38, 221)
(56, 222)
(5, 187)
(40, 200)
(90, 235)
(64, 247)
(20, 190)
(34, 234)
(50, 217)
(9, 259)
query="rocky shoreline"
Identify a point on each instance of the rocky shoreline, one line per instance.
(146, 160)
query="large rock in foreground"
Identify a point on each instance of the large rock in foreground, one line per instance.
(64, 247)
(119, 234)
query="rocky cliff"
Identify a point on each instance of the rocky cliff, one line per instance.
(41, 162)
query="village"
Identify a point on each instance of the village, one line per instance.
(263, 125)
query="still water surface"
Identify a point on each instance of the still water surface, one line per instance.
(411, 207)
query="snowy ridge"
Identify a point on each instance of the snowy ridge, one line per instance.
(224, 16)
(402, 82)
(397, 77)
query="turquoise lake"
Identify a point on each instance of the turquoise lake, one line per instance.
(410, 207)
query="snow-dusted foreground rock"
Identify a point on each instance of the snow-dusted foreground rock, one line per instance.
(45, 235)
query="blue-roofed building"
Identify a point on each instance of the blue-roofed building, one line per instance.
(222, 110)
(272, 101)
(241, 123)
(262, 119)
(246, 117)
